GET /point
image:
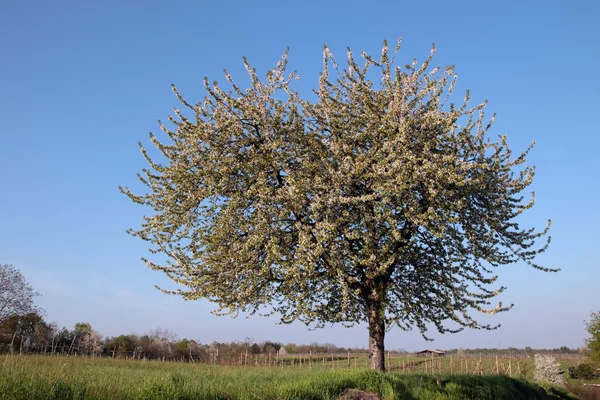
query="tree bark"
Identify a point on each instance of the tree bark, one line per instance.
(376, 333)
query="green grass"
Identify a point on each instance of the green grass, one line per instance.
(38, 377)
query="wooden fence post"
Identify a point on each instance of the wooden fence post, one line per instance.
(480, 365)
(432, 365)
(497, 366)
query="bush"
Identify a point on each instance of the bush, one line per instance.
(582, 371)
(547, 370)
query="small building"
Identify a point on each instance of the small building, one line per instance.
(431, 353)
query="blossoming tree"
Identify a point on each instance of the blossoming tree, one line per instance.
(376, 201)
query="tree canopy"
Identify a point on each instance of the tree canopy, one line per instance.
(593, 342)
(16, 295)
(377, 201)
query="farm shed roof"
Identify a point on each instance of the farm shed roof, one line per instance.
(431, 351)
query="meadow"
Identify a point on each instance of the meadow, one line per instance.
(44, 377)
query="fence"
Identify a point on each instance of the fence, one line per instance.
(481, 364)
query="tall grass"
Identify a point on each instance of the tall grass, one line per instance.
(39, 377)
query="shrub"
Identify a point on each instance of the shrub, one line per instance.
(546, 369)
(582, 371)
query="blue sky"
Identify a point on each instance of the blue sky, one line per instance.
(82, 82)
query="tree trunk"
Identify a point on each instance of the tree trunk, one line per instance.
(12, 342)
(376, 334)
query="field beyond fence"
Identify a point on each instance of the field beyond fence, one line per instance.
(467, 364)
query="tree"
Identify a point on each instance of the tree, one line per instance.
(63, 340)
(157, 343)
(188, 350)
(121, 345)
(25, 333)
(291, 348)
(270, 347)
(546, 369)
(16, 295)
(376, 202)
(89, 341)
(593, 342)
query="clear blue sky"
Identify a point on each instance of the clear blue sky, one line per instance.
(82, 82)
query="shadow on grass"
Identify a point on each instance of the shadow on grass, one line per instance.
(474, 387)
(416, 387)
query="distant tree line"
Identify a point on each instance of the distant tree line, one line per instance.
(527, 351)
(30, 333)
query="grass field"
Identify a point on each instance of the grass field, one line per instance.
(39, 377)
